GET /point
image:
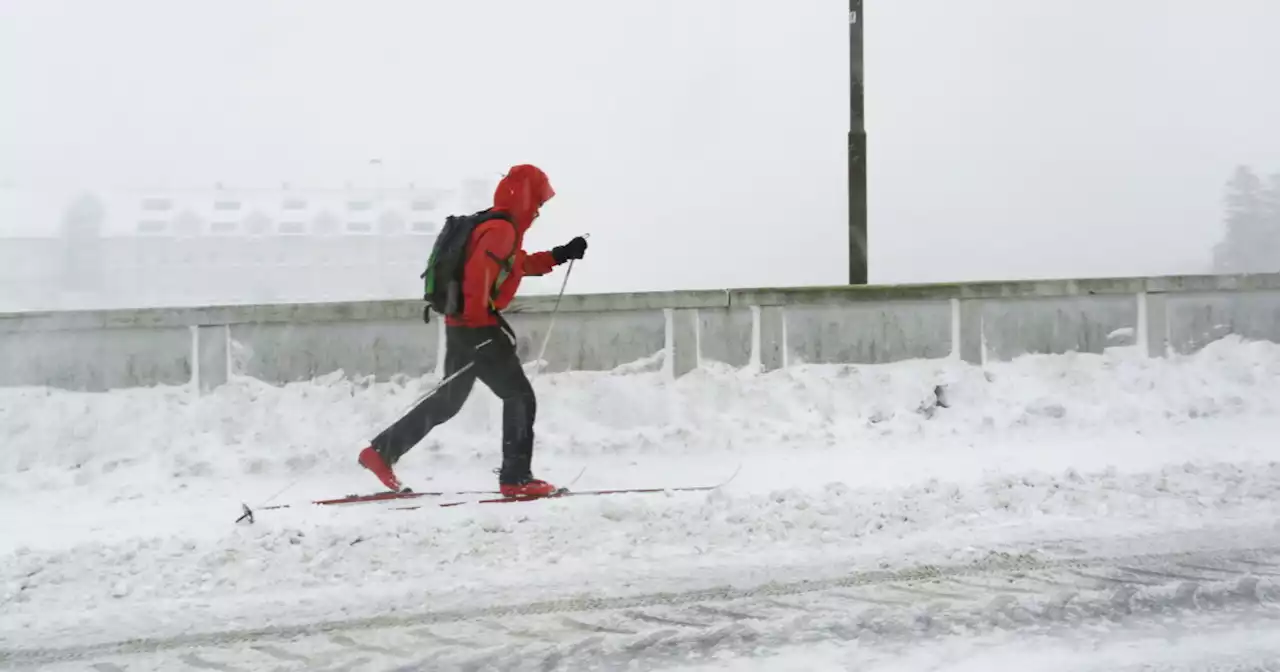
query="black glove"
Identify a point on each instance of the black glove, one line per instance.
(573, 249)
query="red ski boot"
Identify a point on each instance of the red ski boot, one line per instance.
(527, 488)
(371, 460)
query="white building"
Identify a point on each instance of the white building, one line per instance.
(221, 245)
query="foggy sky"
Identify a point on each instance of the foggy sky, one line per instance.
(700, 142)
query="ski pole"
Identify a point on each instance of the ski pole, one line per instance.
(447, 379)
(554, 310)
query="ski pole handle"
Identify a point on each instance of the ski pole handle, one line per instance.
(556, 309)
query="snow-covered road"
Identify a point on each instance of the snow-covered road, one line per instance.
(1099, 497)
(1061, 597)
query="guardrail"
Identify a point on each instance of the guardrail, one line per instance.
(766, 328)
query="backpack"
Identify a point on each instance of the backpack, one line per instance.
(442, 287)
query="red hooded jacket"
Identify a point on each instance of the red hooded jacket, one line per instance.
(520, 194)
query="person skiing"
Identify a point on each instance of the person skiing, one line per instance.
(494, 264)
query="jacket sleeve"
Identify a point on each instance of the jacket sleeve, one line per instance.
(492, 239)
(538, 263)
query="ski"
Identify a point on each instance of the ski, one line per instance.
(248, 513)
(566, 492)
(391, 494)
(380, 497)
(409, 494)
(386, 495)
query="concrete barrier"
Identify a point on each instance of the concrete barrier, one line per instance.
(674, 331)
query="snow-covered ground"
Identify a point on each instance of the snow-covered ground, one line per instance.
(1190, 644)
(118, 545)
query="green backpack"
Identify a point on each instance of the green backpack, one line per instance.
(442, 286)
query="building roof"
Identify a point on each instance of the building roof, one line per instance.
(245, 211)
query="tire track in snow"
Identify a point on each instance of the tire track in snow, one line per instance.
(886, 603)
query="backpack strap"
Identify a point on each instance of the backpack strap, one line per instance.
(505, 264)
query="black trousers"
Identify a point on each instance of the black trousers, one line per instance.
(494, 362)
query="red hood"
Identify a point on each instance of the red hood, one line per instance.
(521, 192)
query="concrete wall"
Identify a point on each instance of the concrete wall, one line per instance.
(766, 328)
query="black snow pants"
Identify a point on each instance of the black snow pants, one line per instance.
(494, 362)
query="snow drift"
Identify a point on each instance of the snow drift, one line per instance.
(55, 438)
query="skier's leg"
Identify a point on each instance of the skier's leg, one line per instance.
(409, 430)
(518, 414)
(500, 370)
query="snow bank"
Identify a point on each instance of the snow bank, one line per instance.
(249, 427)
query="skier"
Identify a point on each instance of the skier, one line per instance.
(494, 264)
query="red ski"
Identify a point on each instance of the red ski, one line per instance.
(386, 495)
(566, 492)
(248, 514)
(403, 494)
(383, 496)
